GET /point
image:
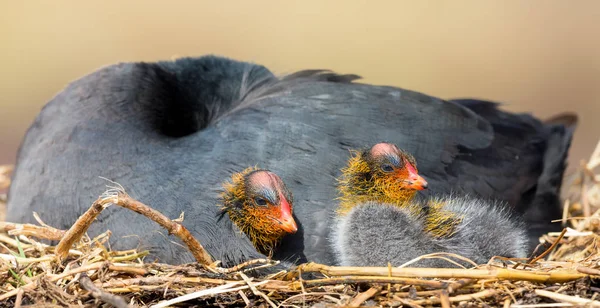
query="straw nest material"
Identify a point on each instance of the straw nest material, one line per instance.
(81, 271)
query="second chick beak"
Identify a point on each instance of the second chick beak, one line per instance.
(414, 180)
(287, 222)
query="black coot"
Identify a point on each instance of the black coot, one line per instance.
(171, 131)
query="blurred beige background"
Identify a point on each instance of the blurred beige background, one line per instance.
(539, 56)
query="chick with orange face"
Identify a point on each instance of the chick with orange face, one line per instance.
(260, 205)
(386, 174)
(379, 221)
(383, 172)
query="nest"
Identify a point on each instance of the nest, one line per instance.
(82, 271)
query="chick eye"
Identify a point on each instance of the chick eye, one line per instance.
(387, 168)
(260, 201)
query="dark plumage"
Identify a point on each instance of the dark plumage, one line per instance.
(171, 131)
(373, 234)
(543, 145)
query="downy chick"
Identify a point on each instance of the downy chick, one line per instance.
(373, 229)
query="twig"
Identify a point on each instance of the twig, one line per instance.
(275, 285)
(23, 261)
(444, 299)
(427, 293)
(157, 280)
(39, 220)
(263, 262)
(128, 269)
(296, 285)
(47, 233)
(304, 295)
(595, 158)
(565, 216)
(175, 228)
(567, 298)
(217, 290)
(255, 290)
(28, 287)
(563, 275)
(549, 249)
(86, 283)
(510, 294)
(460, 298)
(549, 305)
(79, 228)
(587, 270)
(19, 299)
(362, 297)
(407, 302)
(441, 256)
(123, 200)
(587, 212)
(244, 298)
(453, 287)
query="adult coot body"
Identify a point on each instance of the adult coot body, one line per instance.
(170, 132)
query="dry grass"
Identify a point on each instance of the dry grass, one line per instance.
(81, 271)
(5, 172)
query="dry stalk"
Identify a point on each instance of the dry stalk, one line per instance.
(256, 291)
(159, 280)
(19, 298)
(545, 253)
(226, 288)
(172, 227)
(453, 287)
(567, 298)
(407, 302)
(43, 232)
(86, 283)
(362, 297)
(466, 297)
(445, 299)
(5, 171)
(563, 275)
(243, 266)
(81, 226)
(296, 285)
(587, 270)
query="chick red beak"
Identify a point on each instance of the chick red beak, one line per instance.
(286, 220)
(414, 180)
